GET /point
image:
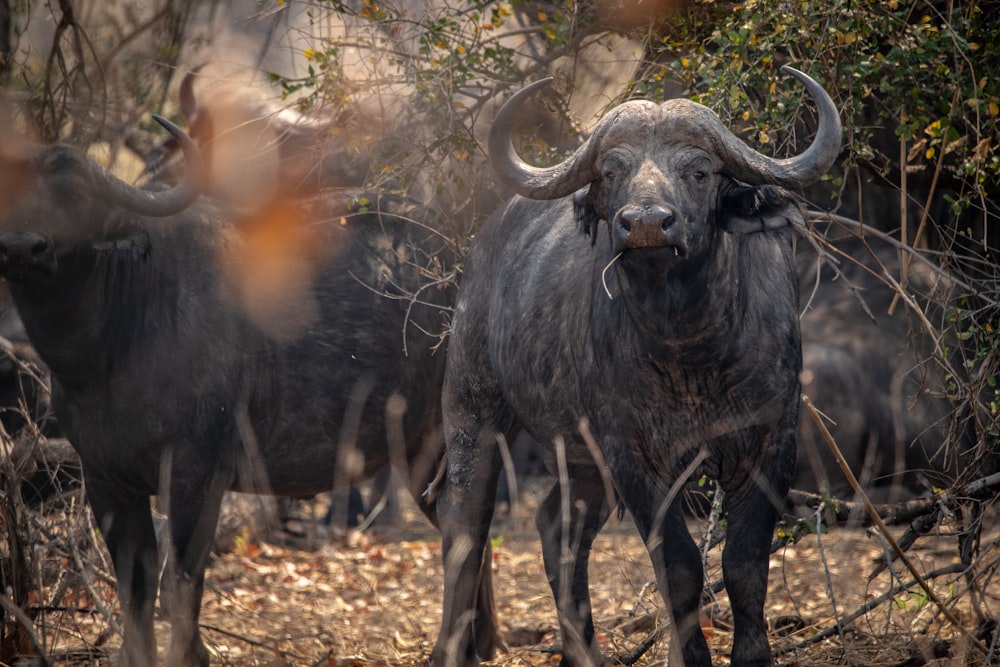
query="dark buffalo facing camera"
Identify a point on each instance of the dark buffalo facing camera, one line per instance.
(195, 350)
(668, 329)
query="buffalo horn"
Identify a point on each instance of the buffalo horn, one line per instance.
(747, 164)
(166, 202)
(523, 178)
(701, 124)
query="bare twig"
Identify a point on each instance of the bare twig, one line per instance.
(954, 568)
(633, 656)
(861, 228)
(28, 627)
(829, 585)
(105, 612)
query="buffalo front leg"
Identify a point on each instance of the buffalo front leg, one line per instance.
(752, 510)
(465, 511)
(676, 563)
(196, 491)
(127, 526)
(567, 525)
(486, 630)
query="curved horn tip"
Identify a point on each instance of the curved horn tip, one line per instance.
(798, 74)
(187, 144)
(541, 82)
(532, 87)
(168, 126)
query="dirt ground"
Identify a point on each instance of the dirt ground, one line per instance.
(374, 598)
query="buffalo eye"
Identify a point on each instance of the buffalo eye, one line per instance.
(611, 168)
(699, 176)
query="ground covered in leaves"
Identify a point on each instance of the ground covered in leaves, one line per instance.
(374, 598)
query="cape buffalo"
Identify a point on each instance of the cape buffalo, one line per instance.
(194, 350)
(669, 334)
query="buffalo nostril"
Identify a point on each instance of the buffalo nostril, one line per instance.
(39, 247)
(666, 220)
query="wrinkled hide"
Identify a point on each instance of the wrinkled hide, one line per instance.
(668, 331)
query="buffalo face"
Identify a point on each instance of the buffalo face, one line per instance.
(655, 199)
(665, 204)
(63, 198)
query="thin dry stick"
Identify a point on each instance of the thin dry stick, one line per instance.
(633, 656)
(829, 586)
(567, 557)
(884, 530)
(708, 543)
(602, 466)
(904, 267)
(865, 230)
(271, 644)
(508, 470)
(907, 258)
(85, 574)
(25, 622)
(655, 539)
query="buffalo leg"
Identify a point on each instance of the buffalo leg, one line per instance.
(127, 526)
(751, 512)
(676, 563)
(487, 631)
(465, 510)
(195, 502)
(567, 572)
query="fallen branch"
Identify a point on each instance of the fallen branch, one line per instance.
(955, 568)
(55, 450)
(900, 513)
(233, 635)
(845, 510)
(633, 656)
(32, 453)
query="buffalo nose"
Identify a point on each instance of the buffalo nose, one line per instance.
(647, 216)
(20, 251)
(647, 227)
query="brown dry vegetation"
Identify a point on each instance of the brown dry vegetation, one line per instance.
(374, 598)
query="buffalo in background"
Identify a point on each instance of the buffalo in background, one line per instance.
(636, 310)
(869, 368)
(194, 349)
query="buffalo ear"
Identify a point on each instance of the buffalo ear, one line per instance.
(745, 209)
(585, 210)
